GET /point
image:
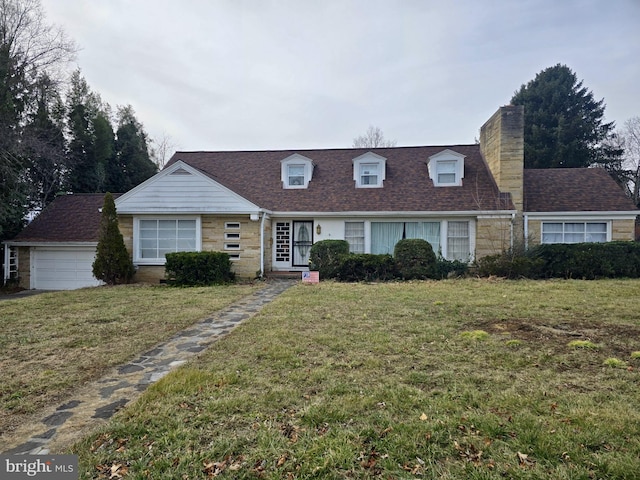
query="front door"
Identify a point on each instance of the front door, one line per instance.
(302, 241)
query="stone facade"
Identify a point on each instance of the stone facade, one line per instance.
(24, 267)
(493, 236)
(236, 235)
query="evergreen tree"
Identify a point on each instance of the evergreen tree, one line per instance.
(91, 138)
(112, 264)
(563, 123)
(133, 163)
(45, 145)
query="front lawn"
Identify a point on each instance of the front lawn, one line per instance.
(453, 379)
(54, 342)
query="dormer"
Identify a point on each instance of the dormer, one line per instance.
(369, 170)
(446, 168)
(296, 171)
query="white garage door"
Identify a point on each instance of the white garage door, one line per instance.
(62, 268)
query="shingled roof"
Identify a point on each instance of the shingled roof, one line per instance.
(69, 218)
(256, 176)
(573, 190)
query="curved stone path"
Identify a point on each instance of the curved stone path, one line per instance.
(96, 402)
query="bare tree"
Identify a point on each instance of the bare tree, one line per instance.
(630, 137)
(31, 43)
(161, 149)
(373, 138)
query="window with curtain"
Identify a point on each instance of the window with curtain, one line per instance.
(159, 237)
(354, 235)
(429, 231)
(574, 232)
(385, 235)
(458, 241)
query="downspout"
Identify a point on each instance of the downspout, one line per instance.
(513, 219)
(526, 231)
(262, 222)
(5, 273)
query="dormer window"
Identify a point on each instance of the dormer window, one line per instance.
(296, 175)
(446, 169)
(369, 170)
(296, 171)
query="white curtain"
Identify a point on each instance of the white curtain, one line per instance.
(385, 235)
(429, 231)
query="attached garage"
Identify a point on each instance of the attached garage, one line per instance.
(62, 268)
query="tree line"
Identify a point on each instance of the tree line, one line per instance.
(56, 134)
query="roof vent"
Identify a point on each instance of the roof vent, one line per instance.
(180, 171)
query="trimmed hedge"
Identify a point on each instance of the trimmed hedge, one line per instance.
(326, 257)
(590, 260)
(415, 259)
(191, 269)
(577, 260)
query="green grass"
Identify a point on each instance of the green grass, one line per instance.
(376, 381)
(52, 343)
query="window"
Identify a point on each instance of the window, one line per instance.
(446, 169)
(574, 232)
(232, 246)
(231, 236)
(385, 235)
(369, 170)
(157, 237)
(446, 172)
(296, 175)
(296, 171)
(232, 225)
(354, 235)
(368, 174)
(458, 241)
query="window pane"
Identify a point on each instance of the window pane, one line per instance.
(354, 235)
(296, 175)
(458, 241)
(597, 227)
(446, 178)
(385, 235)
(159, 237)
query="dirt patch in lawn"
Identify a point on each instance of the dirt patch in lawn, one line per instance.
(616, 340)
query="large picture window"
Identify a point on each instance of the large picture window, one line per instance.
(385, 235)
(157, 237)
(574, 232)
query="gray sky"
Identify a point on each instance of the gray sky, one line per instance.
(293, 74)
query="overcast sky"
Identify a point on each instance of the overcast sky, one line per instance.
(294, 74)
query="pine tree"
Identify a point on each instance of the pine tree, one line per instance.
(112, 264)
(563, 123)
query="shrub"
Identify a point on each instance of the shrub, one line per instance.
(445, 268)
(358, 267)
(112, 264)
(590, 260)
(187, 269)
(510, 265)
(415, 259)
(326, 255)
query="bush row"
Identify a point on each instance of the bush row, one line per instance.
(412, 259)
(579, 260)
(198, 268)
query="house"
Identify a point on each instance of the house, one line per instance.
(266, 208)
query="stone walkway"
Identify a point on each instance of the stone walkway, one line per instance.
(96, 402)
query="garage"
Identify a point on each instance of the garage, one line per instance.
(62, 268)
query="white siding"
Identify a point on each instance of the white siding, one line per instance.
(181, 189)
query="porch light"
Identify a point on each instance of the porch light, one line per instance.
(318, 229)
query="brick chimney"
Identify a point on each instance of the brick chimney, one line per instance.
(502, 146)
